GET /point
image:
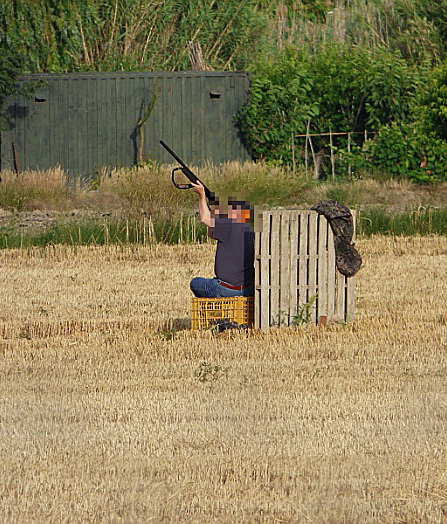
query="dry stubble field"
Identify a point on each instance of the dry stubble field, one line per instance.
(107, 413)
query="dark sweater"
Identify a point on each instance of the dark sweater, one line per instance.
(234, 261)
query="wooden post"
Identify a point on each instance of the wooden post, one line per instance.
(293, 155)
(349, 151)
(332, 154)
(313, 158)
(306, 152)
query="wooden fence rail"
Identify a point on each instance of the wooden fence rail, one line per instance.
(296, 280)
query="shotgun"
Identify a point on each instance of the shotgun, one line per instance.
(188, 173)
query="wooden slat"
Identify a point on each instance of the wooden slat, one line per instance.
(284, 288)
(322, 270)
(350, 291)
(274, 268)
(302, 260)
(257, 319)
(350, 297)
(340, 296)
(293, 266)
(265, 270)
(330, 275)
(312, 262)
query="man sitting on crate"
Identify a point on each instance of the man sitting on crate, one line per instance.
(230, 225)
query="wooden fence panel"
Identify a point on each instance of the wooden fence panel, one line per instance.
(295, 272)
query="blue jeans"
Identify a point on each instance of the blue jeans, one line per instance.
(211, 288)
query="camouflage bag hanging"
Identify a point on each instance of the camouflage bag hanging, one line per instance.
(347, 258)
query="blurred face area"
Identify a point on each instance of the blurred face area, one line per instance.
(235, 213)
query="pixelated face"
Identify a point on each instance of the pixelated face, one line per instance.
(237, 214)
(219, 210)
(238, 209)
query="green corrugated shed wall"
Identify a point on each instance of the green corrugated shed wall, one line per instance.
(86, 121)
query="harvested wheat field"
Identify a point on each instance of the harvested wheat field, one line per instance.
(112, 411)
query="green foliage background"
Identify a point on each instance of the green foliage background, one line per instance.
(318, 65)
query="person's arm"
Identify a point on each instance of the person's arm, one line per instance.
(204, 211)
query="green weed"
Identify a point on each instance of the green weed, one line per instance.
(304, 312)
(207, 372)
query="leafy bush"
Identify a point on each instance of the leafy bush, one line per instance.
(405, 151)
(432, 105)
(342, 88)
(278, 109)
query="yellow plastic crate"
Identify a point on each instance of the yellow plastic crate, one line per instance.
(205, 311)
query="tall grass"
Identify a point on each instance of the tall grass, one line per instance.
(141, 205)
(185, 229)
(153, 34)
(420, 221)
(33, 189)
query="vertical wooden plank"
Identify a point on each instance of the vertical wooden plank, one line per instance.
(265, 271)
(214, 99)
(133, 103)
(258, 281)
(157, 117)
(45, 116)
(65, 132)
(197, 120)
(55, 130)
(350, 285)
(186, 117)
(167, 118)
(230, 110)
(83, 145)
(176, 108)
(322, 312)
(303, 259)
(312, 262)
(350, 299)
(93, 125)
(36, 141)
(340, 295)
(275, 268)
(330, 275)
(22, 131)
(106, 134)
(293, 265)
(284, 260)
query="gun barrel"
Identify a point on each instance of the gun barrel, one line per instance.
(169, 150)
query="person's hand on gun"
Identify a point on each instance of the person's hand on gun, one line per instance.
(199, 189)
